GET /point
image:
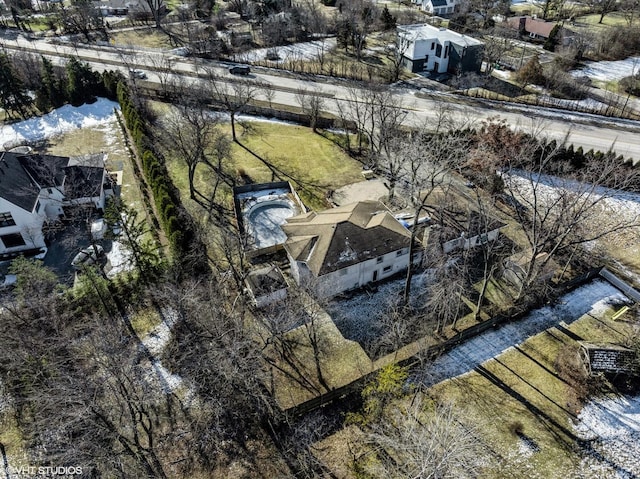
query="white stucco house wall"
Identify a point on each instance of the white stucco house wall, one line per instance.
(35, 189)
(347, 247)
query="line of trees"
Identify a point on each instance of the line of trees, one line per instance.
(53, 86)
(175, 221)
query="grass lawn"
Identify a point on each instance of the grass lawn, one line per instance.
(312, 163)
(150, 38)
(524, 404)
(107, 138)
(275, 152)
(144, 321)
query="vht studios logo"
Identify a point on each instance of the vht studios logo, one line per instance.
(47, 471)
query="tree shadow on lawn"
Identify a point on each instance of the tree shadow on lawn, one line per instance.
(306, 186)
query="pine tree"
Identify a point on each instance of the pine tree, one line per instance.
(388, 20)
(13, 94)
(51, 94)
(83, 83)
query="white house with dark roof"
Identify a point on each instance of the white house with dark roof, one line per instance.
(35, 189)
(347, 247)
(426, 48)
(438, 7)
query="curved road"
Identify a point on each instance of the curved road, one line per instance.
(588, 131)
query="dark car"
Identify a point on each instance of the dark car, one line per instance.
(240, 70)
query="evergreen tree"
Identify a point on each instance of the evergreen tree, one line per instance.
(553, 40)
(388, 20)
(51, 93)
(13, 94)
(83, 83)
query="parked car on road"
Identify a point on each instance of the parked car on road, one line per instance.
(240, 70)
(138, 74)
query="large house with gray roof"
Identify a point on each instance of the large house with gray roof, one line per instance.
(347, 247)
(426, 48)
(35, 189)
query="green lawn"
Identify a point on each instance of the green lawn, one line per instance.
(523, 402)
(312, 163)
(531, 392)
(281, 152)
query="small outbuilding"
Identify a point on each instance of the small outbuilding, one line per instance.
(266, 286)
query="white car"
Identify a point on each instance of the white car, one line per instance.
(138, 74)
(87, 256)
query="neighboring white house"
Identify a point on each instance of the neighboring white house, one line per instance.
(438, 7)
(135, 8)
(35, 189)
(347, 247)
(426, 48)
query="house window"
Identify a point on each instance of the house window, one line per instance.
(37, 208)
(12, 240)
(386, 269)
(433, 45)
(344, 271)
(50, 191)
(439, 51)
(6, 219)
(446, 51)
(380, 259)
(401, 252)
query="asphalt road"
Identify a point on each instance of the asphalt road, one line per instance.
(588, 131)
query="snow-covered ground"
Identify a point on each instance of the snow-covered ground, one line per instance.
(609, 71)
(592, 297)
(296, 51)
(610, 428)
(61, 120)
(612, 210)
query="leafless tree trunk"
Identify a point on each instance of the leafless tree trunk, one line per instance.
(311, 104)
(415, 440)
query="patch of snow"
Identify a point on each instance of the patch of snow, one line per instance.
(59, 121)
(609, 70)
(610, 430)
(159, 337)
(296, 51)
(592, 297)
(119, 258)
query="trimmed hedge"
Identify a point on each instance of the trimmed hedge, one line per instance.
(174, 220)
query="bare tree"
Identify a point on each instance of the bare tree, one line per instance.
(557, 213)
(376, 113)
(629, 9)
(234, 97)
(603, 7)
(441, 153)
(193, 131)
(415, 440)
(311, 104)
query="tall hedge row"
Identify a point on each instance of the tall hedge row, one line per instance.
(173, 219)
